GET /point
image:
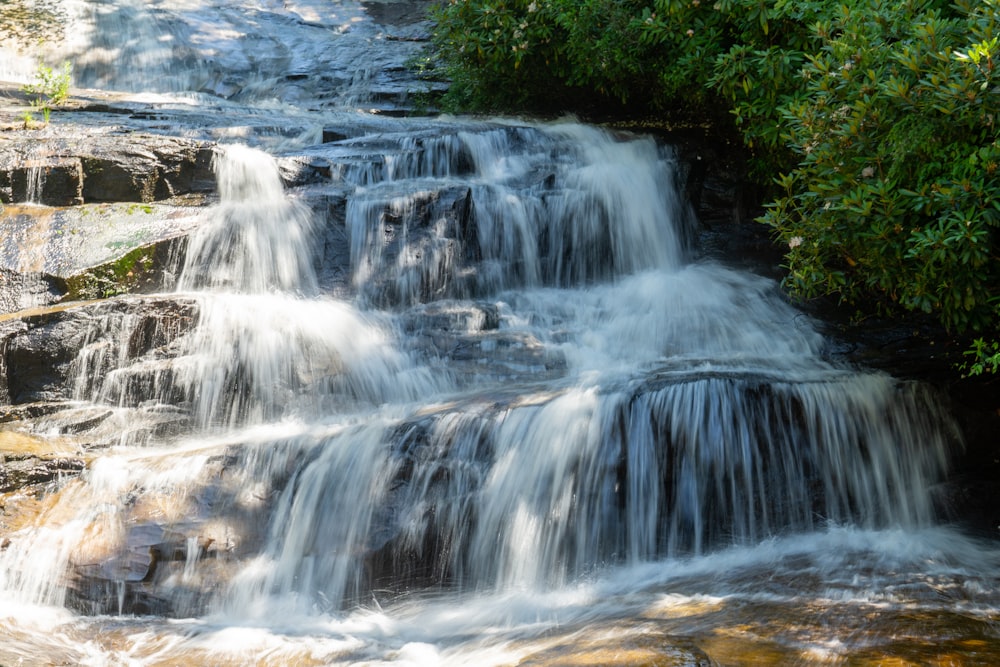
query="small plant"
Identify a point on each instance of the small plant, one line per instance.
(28, 120)
(51, 87)
(133, 209)
(985, 358)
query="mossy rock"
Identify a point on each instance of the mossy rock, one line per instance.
(143, 270)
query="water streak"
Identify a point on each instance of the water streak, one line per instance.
(257, 239)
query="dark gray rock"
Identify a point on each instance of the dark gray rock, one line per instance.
(397, 13)
(52, 181)
(147, 168)
(35, 361)
(20, 291)
(434, 233)
(37, 352)
(103, 168)
(17, 472)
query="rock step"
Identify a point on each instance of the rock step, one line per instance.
(66, 172)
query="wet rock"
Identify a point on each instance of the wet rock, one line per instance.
(51, 181)
(28, 460)
(452, 316)
(54, 254)
(37, 352)
(173, 547)
(418, 248)
(20, 291)
(297, 171)
(80, 420)
(397, 13)
(88, 427)
(645, 650)
(29, 411)
(103, 168)
(36, 359)
(147, 169)
(332, 247)
(468, 336)
(17, 474)
(143, 270)
(331, 135)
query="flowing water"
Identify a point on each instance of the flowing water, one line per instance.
(470, 399)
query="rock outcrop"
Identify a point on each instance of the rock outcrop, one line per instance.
(66, 171)
(41, 351)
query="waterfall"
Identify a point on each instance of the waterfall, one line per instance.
(257, 239)
(466, 397)
(514, 216)
(625, 404)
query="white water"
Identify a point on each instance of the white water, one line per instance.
(257, 239)
(526, 431)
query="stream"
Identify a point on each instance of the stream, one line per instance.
(468, 394)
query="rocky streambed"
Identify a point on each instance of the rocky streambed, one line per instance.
(273, 345)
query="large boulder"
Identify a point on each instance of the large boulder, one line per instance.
(92, 251)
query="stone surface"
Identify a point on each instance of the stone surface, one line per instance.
(38, 350)
(20, 291)
(147, 169)
(62, 171)
(628, 649)
(51, 181)
(84, 252)
(424, 247)
(143, 270)
(32, 460)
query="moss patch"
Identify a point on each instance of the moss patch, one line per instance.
(130, 273)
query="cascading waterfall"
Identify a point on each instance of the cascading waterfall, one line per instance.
(466, 400)
(624, 405)
(527, 232)
(691, 412)
(257, 239)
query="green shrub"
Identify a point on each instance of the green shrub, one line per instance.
(542, 54)
(680, 57)
(896, 193)
(879, 115)
(745, 54)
